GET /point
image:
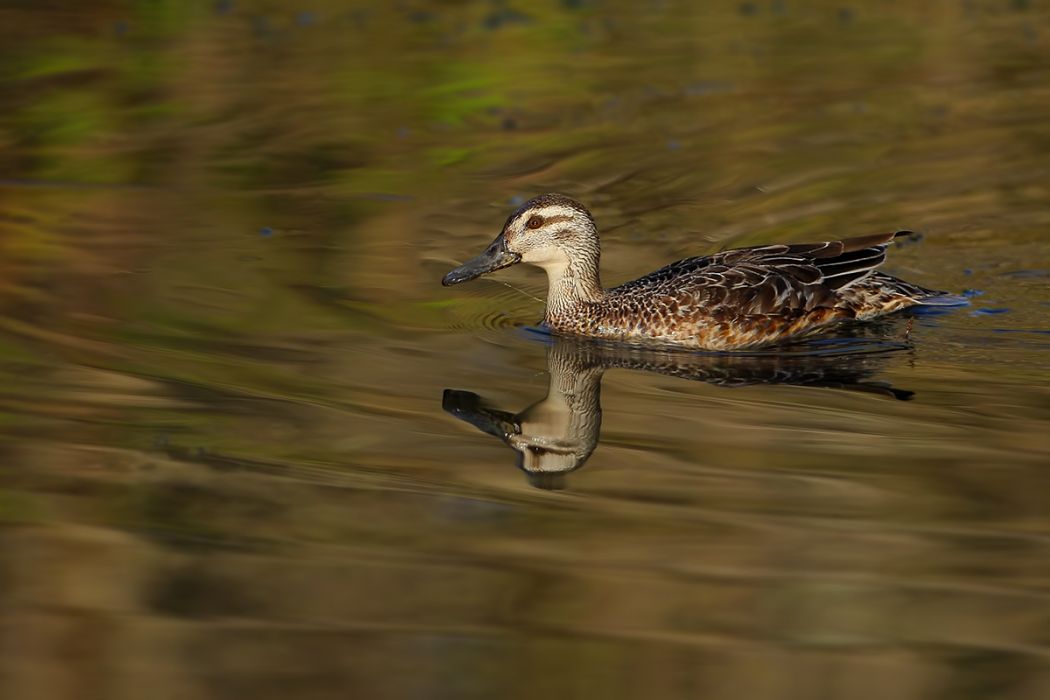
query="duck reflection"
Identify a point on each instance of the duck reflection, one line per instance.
(558, 433)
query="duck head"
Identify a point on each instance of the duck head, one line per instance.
(552, 231)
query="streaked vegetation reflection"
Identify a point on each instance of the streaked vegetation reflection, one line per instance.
(230, 465)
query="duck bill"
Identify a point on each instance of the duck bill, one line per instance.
(469, 407)
(495, 257)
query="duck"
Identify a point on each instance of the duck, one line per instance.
(736, 299)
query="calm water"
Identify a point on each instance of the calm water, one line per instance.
(243, 428)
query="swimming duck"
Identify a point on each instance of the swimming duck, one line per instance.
(732, 300)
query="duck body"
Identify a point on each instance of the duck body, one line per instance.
(733, 300)
(745, 298)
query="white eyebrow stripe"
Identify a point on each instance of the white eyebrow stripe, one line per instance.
(553, 210)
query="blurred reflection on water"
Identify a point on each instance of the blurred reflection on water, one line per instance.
(558, 433)
(226, 468)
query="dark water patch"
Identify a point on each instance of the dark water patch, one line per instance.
(58, 184)
(707, 87)
(1027, 274)
(503, 16)
(1037, 331)
(930, 310)
(383, 197)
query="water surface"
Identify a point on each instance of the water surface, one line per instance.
(239, 415)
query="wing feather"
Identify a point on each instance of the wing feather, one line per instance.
(774, 279)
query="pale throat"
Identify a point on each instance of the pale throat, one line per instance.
(569, 282)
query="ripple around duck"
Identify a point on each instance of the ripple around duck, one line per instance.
(492, 307)
(485, 320)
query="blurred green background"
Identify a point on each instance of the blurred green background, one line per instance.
(223, 344)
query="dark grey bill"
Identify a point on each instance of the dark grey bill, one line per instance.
(469, 407)
(495, 257)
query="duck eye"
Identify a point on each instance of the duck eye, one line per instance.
(535, 222)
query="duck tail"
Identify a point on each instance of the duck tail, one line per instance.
(936, 303)
(943, 300)
(920, 295)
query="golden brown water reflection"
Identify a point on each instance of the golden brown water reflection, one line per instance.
(227, 470)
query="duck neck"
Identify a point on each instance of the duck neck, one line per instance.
(572, 283)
